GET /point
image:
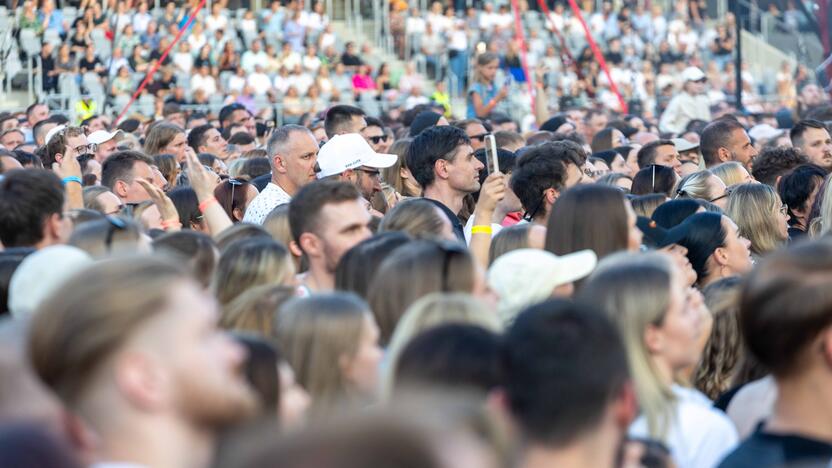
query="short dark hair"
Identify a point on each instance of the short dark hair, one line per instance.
(28, 197)
(305, 207)
(227, 111)
(654, 179)
(646, 156)
(704, 234)
(32, 107)
(197, 136)
(800, 128)
(715, 136)
(774, 162)
(451, 356)
(119, 166)
(797, 186)
(431, 145)
(339, 115)
(563, 364)
(37, 129)
(197, 249)
(374, 122)
(241, 138)
(785, 304)
(57, 144)
(504, 138)
(535, 172)
(7, 116)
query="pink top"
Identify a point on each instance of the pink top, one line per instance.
(360, 82)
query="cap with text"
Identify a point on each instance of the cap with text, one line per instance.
(350, 151)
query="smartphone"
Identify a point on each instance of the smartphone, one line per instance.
(491, 154)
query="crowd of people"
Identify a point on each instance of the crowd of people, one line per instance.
(595, 289)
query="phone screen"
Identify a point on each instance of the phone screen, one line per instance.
(491, 154)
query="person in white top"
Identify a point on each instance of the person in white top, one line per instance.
(691, 104)
(661, 321)
(259, 81)
(216, 20)
(204, 81)
(254, 56)
(155, 380)
(293, 154)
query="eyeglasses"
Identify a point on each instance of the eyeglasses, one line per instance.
(86, 149)
(480, 137)
(116, 224)
(377, 139)
(370, 173)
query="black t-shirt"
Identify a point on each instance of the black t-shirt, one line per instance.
(765, 450)
(351, 60)
(459, 231)
(157, 54)
(88, 65)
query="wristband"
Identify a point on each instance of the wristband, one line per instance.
(481, 229)
(171, 223)
(208, 202)
(69, 179)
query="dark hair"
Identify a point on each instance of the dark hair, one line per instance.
(504, 138)
(505, 158)
(187, 205)
(588, 217)
(28, 197)
(374, 122)
(715, 136)
(563, 364)
(654, 179)
(540, 168)
(608, 156)
(8, 265)
(223, 192)
(263, 359)
(57, 144)
(37, 129)
(797, 186)
(227, 111)
(541, 136)
(785, 304)
(30, 445)
(241, 138)
(774, 162)
(195, 248)
(357, 266)
(167, 165)
(704, 234)
(119, 166)
(255, 167)
(452, 356)
(305, 207)
(26, 158)
(198, 136)
(800, 128)
(602, 140)
(207, 159)
(646, 156)
(672, 213)
(338, 116)
(430, 146)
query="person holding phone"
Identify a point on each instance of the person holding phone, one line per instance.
(483, 94)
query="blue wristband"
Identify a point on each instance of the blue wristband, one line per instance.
(69, 179)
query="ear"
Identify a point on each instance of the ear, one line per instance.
(279, 164)
(52, 227)
(59, 158)
(295, 249)
(720, 256)
(120, 188)
(625, 406)
(723, 154)
(310, 244)
(404, 173)
(551, 196)
(139, 381)
(440, 169)
(653, 339)
(238, 214)
(348, 176)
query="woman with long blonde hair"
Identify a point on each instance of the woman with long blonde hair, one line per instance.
(761, 217)
(660, 320)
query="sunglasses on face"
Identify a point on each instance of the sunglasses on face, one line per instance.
(377, 139)
(480, 137)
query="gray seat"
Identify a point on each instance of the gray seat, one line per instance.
(52, 37)
(29, 42)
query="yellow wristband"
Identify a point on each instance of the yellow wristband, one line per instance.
(481, 230)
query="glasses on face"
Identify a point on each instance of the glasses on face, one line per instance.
(370, 173)
(116, 224)
(86, 149)
(377, 139)
(724, 195)
(480, 137)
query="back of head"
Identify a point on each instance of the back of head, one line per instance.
(588, 217)
(772, 163)
(654, 179)
(108, 237)
(254, 310)
(796, 187)
(672, 213)
(28, 199)
(251, 262)
(717, 135)
(416, 217)
(563, 366)
(240, 231)
(356, 268)
(696, 185)
(429, 147)
(705, 234)
(77, 329)
(338, 119)
(786, 304)
(195, 248)
(508, 239)
(540, 168)
(602, 140)
(646, 205)
(647, 154)
(305, 207)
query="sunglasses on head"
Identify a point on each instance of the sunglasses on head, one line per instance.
(234, 183)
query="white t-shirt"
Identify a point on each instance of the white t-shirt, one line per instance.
(700, 436)
(270, 198)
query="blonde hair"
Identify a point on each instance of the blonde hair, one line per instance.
(316, 333)
(720, 358)
(823, 222)
(248, 263)
(634, 290)
(428, 312)
(696, 186)
(731, 172)
(417, 217)
(254, 310)
(754, 208)
(392, 175)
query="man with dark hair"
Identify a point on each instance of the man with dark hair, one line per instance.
(773, 163)
(726, 140)
(475, 130)
(59, 140)
(196, 119)
(31, 209)
(567, 386)
(35, 113)
(120, 172)
(375, 136)
(661, 153)
(442, 161)
(798, 190)
(327, 218)
(12, 138)
(511, 141)
(343, 119)
(594, 121)
(8, 121)
(207, 139)
(811, 137)
(293, 155)
(243, 141)
(41, 129)
(237, 114)
(786, 322)
(542, 173)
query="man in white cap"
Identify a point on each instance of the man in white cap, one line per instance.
(105, 143)
(351, 159)
(690, 104)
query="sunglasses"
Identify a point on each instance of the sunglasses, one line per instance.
(480, 137)
(377, 139)
(369, 172)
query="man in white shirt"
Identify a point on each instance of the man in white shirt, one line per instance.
(293, 153)
(259, 81)
(204, 81)
(155, 380)
(350, 158)
(691, 104)
(254, 56)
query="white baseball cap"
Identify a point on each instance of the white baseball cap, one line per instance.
(350, 151)
(692, 74)
(527, 276)
(683, 145)
(52, 133)
(765, 132)
(101, 136)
